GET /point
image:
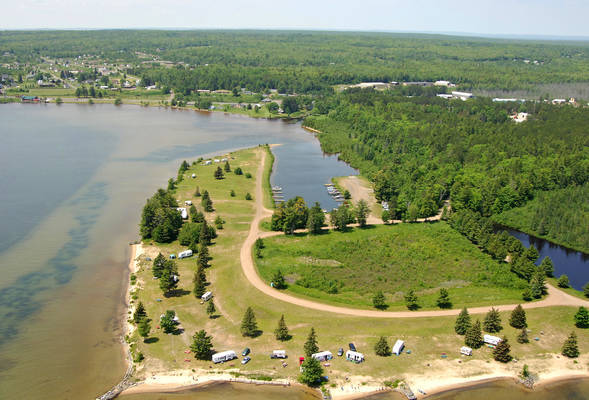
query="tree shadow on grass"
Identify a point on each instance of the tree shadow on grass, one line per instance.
(177, 293)
(151, 340)
(256, 333)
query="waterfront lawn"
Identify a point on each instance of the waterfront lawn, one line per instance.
(349, 268)
(427, 338)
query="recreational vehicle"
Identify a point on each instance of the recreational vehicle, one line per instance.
(207, 296)
(322, 356)
(354, 356)
(398, 347)
(185, 254)
(224, 356)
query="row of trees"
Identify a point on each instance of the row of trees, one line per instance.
(160, 220)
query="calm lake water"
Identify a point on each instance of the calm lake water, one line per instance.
(73, 181)
(571, 263)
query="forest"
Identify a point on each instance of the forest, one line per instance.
(306, 61)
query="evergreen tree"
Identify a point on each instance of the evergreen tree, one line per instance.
(311, 372)
(518, 317)
(311, 346)
(211, 309)
(232, 193)
(248, 196)
(523, 336)
(531, 254)
(238, 171)
(227, 167)
(158, 265)
(219, 173)
(586, 289)
(144, 328)
(169, 278)
(203, 256)
(316, 219)
(381, 348)
(199, 281)
(139, 313)
(474, 336)
(527, 295)
(278, 280)
(547, 266)
(501, 352)
(570, 348)
(386, 216)
(492, 321)
(362, 212)
(379, 301)
(563, 282)
(411, 300)
(443, 300)
(167, 321)
(249, 326)
(582, 318)
(206, 202)
(537, 284)
(192, 211)
(462, 322)
(282, 331)
(202, 345)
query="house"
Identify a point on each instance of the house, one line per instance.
(371, 85)
(445, 96)
(208, 162)
(185, 254)
(492, 340)
(354, 356)
(467, 351)
(183, 212)
(29, 99)
(462, 95)
(322, 356)
(423, 84)
(442, 83)
(559, 101)
(224, 356)
(501, 100)
(519, 117)
(151, 87)
(398, 347)
(207, 296)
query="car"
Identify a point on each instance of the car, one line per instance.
(245, 351)
(352, 347)
(246, 360)
(340, 352)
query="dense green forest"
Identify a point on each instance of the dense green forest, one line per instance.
(306, 62)
(422, 150)
(550, 215)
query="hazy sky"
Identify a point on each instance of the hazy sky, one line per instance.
(519, 17)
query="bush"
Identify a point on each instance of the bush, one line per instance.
(563, 282)
(248, 196)
(248, 175)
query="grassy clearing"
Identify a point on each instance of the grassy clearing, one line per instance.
(349, 268)
(426, 337)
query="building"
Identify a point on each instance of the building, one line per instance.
(462, 95)
(371, 85)
(445, 96)
(422, 83)
(559, 101)
(519, 117)
(30, 99)
(444, 83)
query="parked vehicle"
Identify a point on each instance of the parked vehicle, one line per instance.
(224, 356)
(352, 347)
(340, 352)
(245, 351)
(245, 360)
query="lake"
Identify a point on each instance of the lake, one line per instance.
(74, 180)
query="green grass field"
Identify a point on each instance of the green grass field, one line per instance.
(349, 268)
(426, 337)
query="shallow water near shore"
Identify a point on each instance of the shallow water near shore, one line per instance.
(73, 181)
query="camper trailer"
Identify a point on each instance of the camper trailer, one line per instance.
(207, 296)
(492, 340)
(183, 212)
(224, 356)
(354, 356)
(185, 254)
(398, 347)
(467, 351)
(188, 203)
(322, 356)
(278, 354)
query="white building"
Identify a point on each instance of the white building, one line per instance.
(462, 95)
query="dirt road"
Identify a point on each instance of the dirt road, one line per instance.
(555, 297)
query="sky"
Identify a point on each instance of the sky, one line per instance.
(489, 17)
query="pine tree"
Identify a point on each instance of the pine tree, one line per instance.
(443, 300)
(462, 322)
(282, 331)
(502, 350)
(311, 346)
(492, 321)
(311, 372)
(527, 295)
(411, 300)
(278, 280)
(362, 212)
(167, 321)
(474, 336)
(381, 348)
(379, 300)
(547, 266)
(158, 265)
(227, 167)
(144, 328)
(199, 281)
(202, 345)
(203, 256)
(570, 348)
(523, 336)
(518, 317)
(249, 326)
(582, 318)
(219, 173)
(211, 309)
(139, 313)
(316, 219)
(537, 284)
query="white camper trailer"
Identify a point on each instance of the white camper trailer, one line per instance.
(188, 203)
(185, 254)
(224, 356)
(467, 351)
(322, 356)
(398, 347)
(207, 296)
(492, 340)
(278, 354)
(354, 356)
(183, 212)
